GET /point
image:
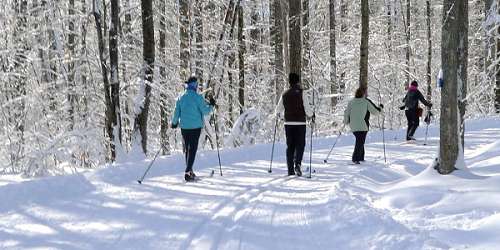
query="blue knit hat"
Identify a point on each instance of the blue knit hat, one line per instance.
(192, 83)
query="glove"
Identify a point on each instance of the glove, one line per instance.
(174, 126)
(381, 106)
(402, 108)
(211, 101)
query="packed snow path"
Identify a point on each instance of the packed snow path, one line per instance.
(401, 204)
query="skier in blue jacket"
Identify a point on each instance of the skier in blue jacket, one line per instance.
(190, 109)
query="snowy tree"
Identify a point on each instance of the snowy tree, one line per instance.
(454, 52)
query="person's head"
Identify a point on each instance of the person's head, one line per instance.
(360, 92)
(192, 83)
(293, 79)
(414, 83)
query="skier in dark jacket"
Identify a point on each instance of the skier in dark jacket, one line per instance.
(296, 106)
(190, 109)
(413, 96)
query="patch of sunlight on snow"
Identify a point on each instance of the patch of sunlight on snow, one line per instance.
(92, 227)
(113, 205)
(9, 243)
(34, 229)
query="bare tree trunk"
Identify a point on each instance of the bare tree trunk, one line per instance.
(454, 50)
(306, 73)
(295, 37)
(277, 41)
(184, 36)
(429, 51)
(114, 73)
(343, 15)
(241, 61)
(363, 56)
(497, 76)
(334, 87)
(408, 38)
(148, 52)
(199, 38)
(164, 114)
(71, 64)
(104, 72)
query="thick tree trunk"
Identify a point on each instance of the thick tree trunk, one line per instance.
(343, 15)
(334, 87)
(454, 49)
(114, 73)
(497, 75)
(429, 51)
(241, 61)
(148, 52)
(199, 37)
(184, 37)
(363, 56)
(71, 64)
(164, 114)
(408, 40)
(277, 41)
(295, 37)
(306, 72)
(104, 72)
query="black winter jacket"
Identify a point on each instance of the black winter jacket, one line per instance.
(294, 105)
(412, 97)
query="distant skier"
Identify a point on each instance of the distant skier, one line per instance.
(190, 109)
(357, 117)
(296, 107)
(412, 111)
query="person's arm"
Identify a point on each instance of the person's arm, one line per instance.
(372, 108)
(278, 110)
(379, 108)
(404, 102)
(203, 106)
(308, 108)
(347, 113)
(422, 99)
(177, 114)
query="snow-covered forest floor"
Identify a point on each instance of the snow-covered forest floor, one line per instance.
(402, 204)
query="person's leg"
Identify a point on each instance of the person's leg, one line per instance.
(357, 147)
(414, 123)
(185, 147)
(290, 148)
(194, 139)
(409, 122)
(362, 142)
(300, 132)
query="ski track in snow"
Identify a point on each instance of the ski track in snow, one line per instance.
(398, 204)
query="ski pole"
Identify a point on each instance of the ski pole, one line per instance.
(427, 121)
(274, 141)
(150, 165)
(217, 142)
(335, 143)
(311, 144)
(383, 137)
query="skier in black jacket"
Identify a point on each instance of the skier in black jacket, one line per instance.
(296, 106)
(413, 96)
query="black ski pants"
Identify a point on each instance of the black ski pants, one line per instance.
(295, 144)
(359, 148)
(190, 138)
(413, 122)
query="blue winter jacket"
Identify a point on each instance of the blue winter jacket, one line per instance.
(190, 109)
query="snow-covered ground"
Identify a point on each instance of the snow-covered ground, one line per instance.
(402, 204)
